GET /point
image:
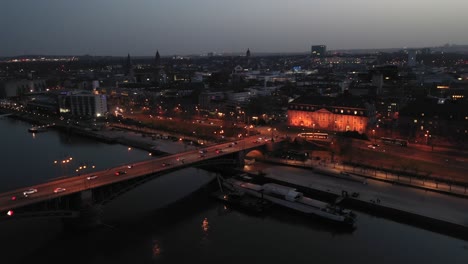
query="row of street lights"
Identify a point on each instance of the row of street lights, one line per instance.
(65, 162)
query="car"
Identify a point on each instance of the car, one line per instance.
(219, 151)
(117, 173)
(202, 155)
(29, 192)
(371, 146)
(130, 166)
(13, 198)
(166, 164)
(92, 177)
(59, 190)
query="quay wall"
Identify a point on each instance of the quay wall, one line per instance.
(374, 208)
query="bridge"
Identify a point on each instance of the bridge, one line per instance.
(75, 196)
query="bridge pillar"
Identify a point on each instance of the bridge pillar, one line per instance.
(241, 158)
(90, 213)
(274, 146)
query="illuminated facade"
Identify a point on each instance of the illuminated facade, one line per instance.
(344, 113)
(83, 104)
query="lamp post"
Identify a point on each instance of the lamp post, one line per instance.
(243, 112)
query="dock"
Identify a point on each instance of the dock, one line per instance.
(435, 211)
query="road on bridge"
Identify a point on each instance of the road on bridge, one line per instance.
(45, 191)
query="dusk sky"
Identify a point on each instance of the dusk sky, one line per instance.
(140, 27)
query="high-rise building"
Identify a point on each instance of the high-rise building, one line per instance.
(319, 51)
(411, 58)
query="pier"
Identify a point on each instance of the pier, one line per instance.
(436, 211)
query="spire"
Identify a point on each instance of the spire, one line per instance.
(247, 54)
(157, 58)
(129, 61)
(128, 66)
(157, 68)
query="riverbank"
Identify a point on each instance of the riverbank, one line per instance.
(435, 211)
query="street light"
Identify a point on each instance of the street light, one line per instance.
(63, 164)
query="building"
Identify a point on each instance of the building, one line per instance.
(435, 117)
(343, 113)
(411, 58)
(129, 71)
(45, 103)
(83, 104)
(211, 100)
(319, 51)
(14, 88)
(157, 69)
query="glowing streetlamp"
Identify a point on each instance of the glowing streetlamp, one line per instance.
(427, 137)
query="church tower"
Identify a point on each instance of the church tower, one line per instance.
(247, 56)
(129, 72)
(157, 68)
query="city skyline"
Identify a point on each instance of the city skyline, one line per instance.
(113, 28)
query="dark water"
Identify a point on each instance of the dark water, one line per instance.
(154, 224)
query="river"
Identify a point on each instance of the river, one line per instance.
(155, 224)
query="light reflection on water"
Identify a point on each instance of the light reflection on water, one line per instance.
(205, 225)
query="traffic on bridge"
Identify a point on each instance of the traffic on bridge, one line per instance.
(73, 184)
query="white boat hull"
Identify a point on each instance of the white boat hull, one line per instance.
(302, 204)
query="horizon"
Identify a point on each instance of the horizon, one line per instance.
(227, 53)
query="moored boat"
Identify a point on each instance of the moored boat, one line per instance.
(37, 129)
(290, 198)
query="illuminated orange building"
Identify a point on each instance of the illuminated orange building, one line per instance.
(343, 113)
